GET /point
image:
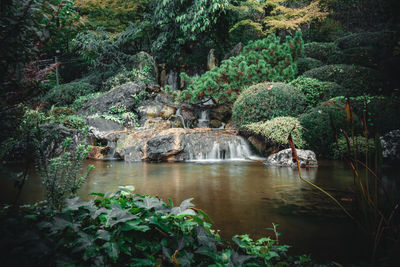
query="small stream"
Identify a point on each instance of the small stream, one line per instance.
(241, 197)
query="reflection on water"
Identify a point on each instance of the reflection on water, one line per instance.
(241, 197)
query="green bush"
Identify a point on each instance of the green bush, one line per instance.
(81, 101)
(356, 79)
(307, 63)
(266, 101)
(65, 94)
(317, 91)
(326, 52)
(262, 60)
(245, 31)
(127, 229)
(381, 40)
(359, 145)
(322, 124)
(277, 130)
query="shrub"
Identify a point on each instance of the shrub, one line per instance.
(322, 124)
(326, 52)
(65, 94)
(277, 130)
(266, 101)
(245, 31)
(356, 79)
(262, 60)
(317, 91)
(380, 40)
(307, 63)
(359, 145)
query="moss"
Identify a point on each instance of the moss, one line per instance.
(265, 101)
(357, 80)
(277, 130)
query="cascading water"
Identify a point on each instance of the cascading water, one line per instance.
(178, 114)
(203, 119)
(231, 149)
(111, 152)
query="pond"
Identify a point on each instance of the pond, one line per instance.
(241, 197)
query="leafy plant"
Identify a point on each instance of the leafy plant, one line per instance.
(358, 143)
(81, 101)
(66, 94)
(326, 52)
(60, 175)
(126, 229)
(266, 101)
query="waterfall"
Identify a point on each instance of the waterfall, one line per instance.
(234, 149)
(203, 119)
(178, 114)
(111, 152)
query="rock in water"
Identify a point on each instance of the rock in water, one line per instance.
(284, 158)
(391, 146)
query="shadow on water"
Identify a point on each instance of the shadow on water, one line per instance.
(241, 197)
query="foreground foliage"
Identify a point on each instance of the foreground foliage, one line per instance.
(130, 230)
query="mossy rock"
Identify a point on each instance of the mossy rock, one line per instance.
(317, 91)
(307, 63)
(266, 101)
(276, 130)
(357, 80)
(325, 52)
(322, 125)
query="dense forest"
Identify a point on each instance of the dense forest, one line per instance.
(181, 80)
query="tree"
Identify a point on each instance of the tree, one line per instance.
(261, 60)
(28, 28)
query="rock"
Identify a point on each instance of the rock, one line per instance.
(177, 144)
(163, 147)
(163, 76)
(211, 60)
(145, 62)
(222, 113)
(149, 110)
(152, 87)
(189, 117)
(167, 111)
(215, 123)
(284, 158)
(98, 152)
(157, 124)
(236, 50)
(391, 146)
(120, 96)
(100, 128)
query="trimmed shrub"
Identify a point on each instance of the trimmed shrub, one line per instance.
(262, 60)
(307, 63)
(65, 94)
(277, 130)
(317, 91)
(245, 31)
(356, 79)
(266, 101)
(380, 40)
(322, 124)
(326, 52)
(359, 145)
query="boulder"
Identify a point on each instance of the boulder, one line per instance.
(149, 110)
(235, 51)
(146, 64)
(120, 96)
(100, 128)
(211, 60)
(215, 124)
(157, 124)
(391, 146)
(284, 158)
(222, 113)
(167, 111)
(162, 148)
(98, 152)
